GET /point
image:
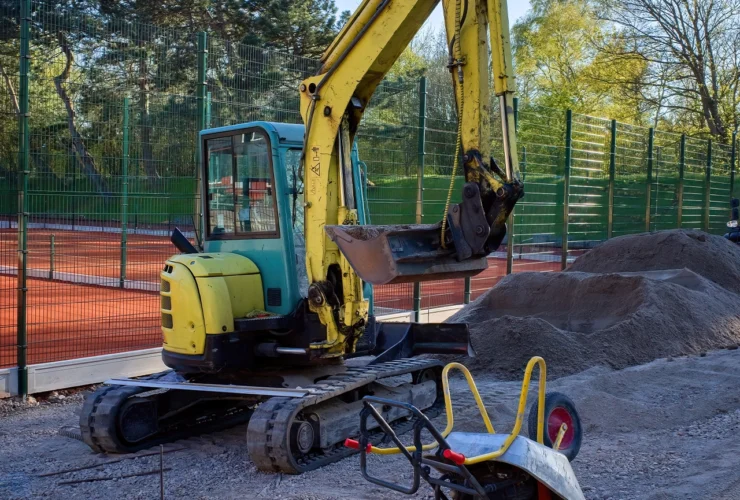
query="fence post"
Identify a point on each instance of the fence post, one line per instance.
(649, 184)
(420, 161)
(733, 157)
(52, 253)
(510, 222)
(566, 186)
(201, 121)
(707, 190)
(681, 169)
(23, 166)
(124, 192)
(612, 177)
(208, 110)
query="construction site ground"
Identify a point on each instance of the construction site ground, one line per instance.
(666, 429)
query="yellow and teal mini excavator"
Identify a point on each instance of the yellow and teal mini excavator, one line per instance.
(259, 324)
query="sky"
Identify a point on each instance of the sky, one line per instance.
(517, 8)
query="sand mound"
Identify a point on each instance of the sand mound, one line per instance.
(578, 320)
(713, 257)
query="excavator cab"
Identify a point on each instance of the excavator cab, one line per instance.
(240, 300)
(252, 184)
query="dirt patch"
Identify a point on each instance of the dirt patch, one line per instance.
(663, 430)
(577, 320)
(713, 257)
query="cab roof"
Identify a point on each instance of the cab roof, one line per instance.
(286, 132)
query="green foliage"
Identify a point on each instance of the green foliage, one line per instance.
(300, 27)
(558, 63)
(148, 52)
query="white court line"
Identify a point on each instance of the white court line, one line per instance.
(92, 229)
(85, 279)
(540, 257)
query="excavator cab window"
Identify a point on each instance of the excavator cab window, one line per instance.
(295, 188)
(241, 193)
(295, 194)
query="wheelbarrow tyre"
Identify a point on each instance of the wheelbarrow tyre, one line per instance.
(559, 409)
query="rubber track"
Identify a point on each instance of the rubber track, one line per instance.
(268, 434)
(98, 418)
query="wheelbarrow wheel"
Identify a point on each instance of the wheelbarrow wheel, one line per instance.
(559, 409)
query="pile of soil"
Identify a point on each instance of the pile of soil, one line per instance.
(623, 312)
(713, 257)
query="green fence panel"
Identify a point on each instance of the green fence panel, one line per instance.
(538, 216)
(440, 136)
(694, 183)
(630, 180)
(664, 197)
(9, 181)
(720, 188)
(388, 143)
(589, 183)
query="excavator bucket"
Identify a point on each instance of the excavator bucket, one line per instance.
(401, 253)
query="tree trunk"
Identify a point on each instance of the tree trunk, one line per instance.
(87, 162)
(13, 101)
(11, 91)
(710, 109)
(36, 158)
(147, 150)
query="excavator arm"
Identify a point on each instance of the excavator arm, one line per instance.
(339, 252)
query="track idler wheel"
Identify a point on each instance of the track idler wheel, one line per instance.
(302, 436)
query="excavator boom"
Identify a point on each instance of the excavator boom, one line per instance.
(332, 104)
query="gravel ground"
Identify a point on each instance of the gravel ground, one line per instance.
(667, 429)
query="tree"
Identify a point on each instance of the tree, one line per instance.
(300, 27)
(558, 62)
(78, 144)
(691, 49)
(87, 55)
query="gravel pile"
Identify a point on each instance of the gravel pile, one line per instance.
(635, 311)
(713, 257)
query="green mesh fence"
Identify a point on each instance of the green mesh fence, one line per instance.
(115, 107)
(440, 133)
(694, 184)
(388, 144)
(588, 197)
(8, 212)
(720, 188)
(246, 83)
(664, 196)
(538, 217)
(630, 180)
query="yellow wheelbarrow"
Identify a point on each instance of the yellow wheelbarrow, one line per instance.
(483, 465)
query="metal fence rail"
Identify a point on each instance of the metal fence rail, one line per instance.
(98, 121)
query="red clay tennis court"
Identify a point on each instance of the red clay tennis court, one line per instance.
(97, 254)
(67, 320)
(80, 310)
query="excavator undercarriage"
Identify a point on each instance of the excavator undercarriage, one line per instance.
(290, 430)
